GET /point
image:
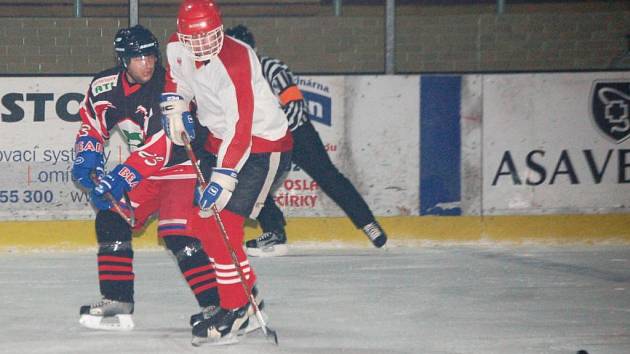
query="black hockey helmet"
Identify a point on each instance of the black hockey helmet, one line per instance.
(134, 42)
(242, 33)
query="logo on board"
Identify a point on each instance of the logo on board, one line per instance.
(610, 109)
(319, 107)
(318, 100)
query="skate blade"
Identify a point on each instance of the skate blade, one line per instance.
(108, 323)
(227, 340)
(272, 251)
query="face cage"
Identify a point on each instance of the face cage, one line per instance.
(203, 46)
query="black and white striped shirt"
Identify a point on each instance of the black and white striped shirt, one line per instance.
(283, 85)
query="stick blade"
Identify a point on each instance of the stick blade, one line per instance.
(272, 335)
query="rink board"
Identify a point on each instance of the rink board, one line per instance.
(339, 232)
(464, 158)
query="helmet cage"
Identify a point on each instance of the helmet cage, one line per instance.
(203, 46)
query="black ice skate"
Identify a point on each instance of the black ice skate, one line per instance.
(269, 244)
(251, 324)
(222, 328)
(107, 314)
(205, 314)
(375, 233)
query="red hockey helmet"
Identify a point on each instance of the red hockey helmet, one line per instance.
(200, 28)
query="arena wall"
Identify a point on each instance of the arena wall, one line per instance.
(429, 42)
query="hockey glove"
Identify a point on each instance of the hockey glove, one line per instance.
(218, 192)
(176, 118)
(89, 157)
(121, 179)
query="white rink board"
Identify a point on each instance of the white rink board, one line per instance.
(383, 134)
(550, 114)
(372, 138)
(471, 132)
(299, 195)
(372, 133)
(373, 141)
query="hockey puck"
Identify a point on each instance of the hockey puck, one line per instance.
(582, 351)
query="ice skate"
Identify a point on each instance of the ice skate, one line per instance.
(108, 315)
(269, 244)
(249, 326)
(222, 328)
(205, 314)
(375, 233)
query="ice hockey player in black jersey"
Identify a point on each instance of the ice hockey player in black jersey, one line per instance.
(310, 155)
(128, 96)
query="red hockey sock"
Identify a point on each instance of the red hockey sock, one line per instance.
(231, 290)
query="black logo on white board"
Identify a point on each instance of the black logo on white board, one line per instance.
(610, 108)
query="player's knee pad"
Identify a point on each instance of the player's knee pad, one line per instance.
(112, 232)
(184, 247)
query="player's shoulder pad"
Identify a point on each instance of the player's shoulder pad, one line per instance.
(104, 81)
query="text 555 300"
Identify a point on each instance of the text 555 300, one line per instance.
(26, 196)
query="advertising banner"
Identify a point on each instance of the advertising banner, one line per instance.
(556, 143)
(38, 124)
(368, 125)
(299, 194)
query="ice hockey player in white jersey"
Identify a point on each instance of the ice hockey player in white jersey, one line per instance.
(249, 137)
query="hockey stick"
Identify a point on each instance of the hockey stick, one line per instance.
(131, 220)
(268, 332)
(132, 214)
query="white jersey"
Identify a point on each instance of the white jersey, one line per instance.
(233, 99)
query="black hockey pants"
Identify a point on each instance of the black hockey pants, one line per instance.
(310, 155)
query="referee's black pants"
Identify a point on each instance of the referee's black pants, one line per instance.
(310, 155)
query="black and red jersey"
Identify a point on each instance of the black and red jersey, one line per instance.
(111, 101)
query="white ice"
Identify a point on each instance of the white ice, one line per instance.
(430, 299)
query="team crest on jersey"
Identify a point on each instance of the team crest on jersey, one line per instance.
(104, 84)
(134, 134)
(610, 109)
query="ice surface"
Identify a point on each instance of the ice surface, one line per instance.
(435, 299)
